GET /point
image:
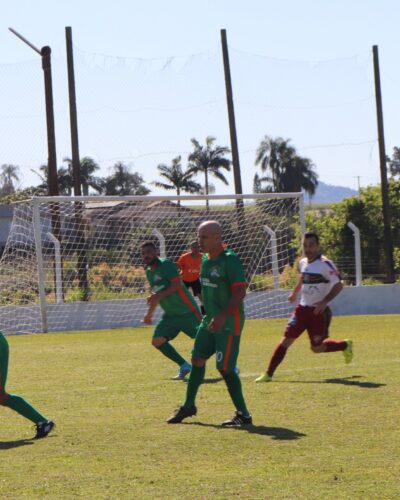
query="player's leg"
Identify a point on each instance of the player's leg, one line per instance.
(189, 325)
(294, 328)
(226, 353)
(319, 336)
(17, 403)
(166, 330)
(196, 287)
(204, 347)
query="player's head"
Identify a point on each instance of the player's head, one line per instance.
(194, 247)
(149, 253)
(311, 246)
(210, 236)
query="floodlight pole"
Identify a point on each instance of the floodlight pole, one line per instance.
(45, 54)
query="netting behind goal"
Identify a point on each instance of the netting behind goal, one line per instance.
(75, 264)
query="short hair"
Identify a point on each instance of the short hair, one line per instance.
(312, 235)
(194, 242)
(148, 244)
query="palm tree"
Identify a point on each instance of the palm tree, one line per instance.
(394, 163)
(87, 168)
(179, 180)
(9, 174)
(123, 182)
(64, 179)
(209, 159)
(285, 170)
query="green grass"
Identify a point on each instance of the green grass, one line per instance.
(322, 429)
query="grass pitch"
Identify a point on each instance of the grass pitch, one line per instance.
(322, 429)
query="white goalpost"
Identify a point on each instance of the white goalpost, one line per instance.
(74, 263)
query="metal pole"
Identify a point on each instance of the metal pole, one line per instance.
(388, 241)
(357, 252)
(232, 123)
(161, 240)
(40, 269)
(58, 268)
(274, 256)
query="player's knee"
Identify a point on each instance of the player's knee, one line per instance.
(198, 362)
(158, 342)
(3, 398)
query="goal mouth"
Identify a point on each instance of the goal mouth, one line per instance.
(74, 263)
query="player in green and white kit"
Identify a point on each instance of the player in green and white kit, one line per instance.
(181, 313)
(16, 403)
(223, 289)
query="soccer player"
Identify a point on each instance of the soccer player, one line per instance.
(189, 263)
(16, 403)
(223, 289)
(180, 309)
(319, 282)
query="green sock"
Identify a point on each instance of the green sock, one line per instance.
(234, 386)
(170, 352)
(194, 382)
(22, 407)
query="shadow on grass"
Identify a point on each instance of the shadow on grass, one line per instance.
(7, 445)
(339, 380)
(276, 433)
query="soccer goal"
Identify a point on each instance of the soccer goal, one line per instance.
(74, 263)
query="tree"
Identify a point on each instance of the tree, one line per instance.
(285, 170)
(394, 163)
(179, 180)
(9, 174)
(64, 180)
(87, 169)
(209, 159)
(123, 182)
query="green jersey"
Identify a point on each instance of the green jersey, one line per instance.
(160, 277)
(218, 277)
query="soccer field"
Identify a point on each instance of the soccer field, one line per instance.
(322, 429)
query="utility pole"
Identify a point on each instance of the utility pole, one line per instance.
(76, 170)
(232, 123)
(358, 177)
(388, 241)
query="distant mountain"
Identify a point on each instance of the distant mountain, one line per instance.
(326, 193)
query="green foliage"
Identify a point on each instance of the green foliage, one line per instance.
(322, 429)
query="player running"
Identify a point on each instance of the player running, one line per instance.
(189, 264)
(319, 283)
(180, 309)
(223, 289)
(16, 403)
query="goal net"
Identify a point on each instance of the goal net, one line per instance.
(75, 263)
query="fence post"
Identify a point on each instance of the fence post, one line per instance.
(357, 251)
(161, 240)
(40, 269)
(58, 268)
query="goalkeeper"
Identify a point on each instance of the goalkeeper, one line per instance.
(16, 403)
(180, 309)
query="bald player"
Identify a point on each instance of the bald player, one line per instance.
(223, 285)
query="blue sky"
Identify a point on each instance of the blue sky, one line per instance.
(149, 77)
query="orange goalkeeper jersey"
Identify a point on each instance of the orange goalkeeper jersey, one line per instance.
(190, 266)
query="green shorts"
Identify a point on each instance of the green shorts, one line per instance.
(169, 326)
(225, 346)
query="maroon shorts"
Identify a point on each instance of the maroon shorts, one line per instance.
(303, 318)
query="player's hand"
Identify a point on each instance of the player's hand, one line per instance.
(292, 297)
(153, 300)
(148, 320)
(217, 323)
(319, 307)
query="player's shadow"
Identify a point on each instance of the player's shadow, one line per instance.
(8, 445)
(276, 433)
(342, 381)
(351, 381)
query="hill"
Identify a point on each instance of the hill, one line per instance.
(327, 193)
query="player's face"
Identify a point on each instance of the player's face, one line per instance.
(311, 248)
(209, 241)
(149, 255)
(195, 249)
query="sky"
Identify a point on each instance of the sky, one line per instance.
(149, 77)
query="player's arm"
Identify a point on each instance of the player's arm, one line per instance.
(148, 318)
(319, 307)
(238, 295)
(296, 290)
(170, 271)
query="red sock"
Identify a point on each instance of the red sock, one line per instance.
(277, 357)
(335, 345)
